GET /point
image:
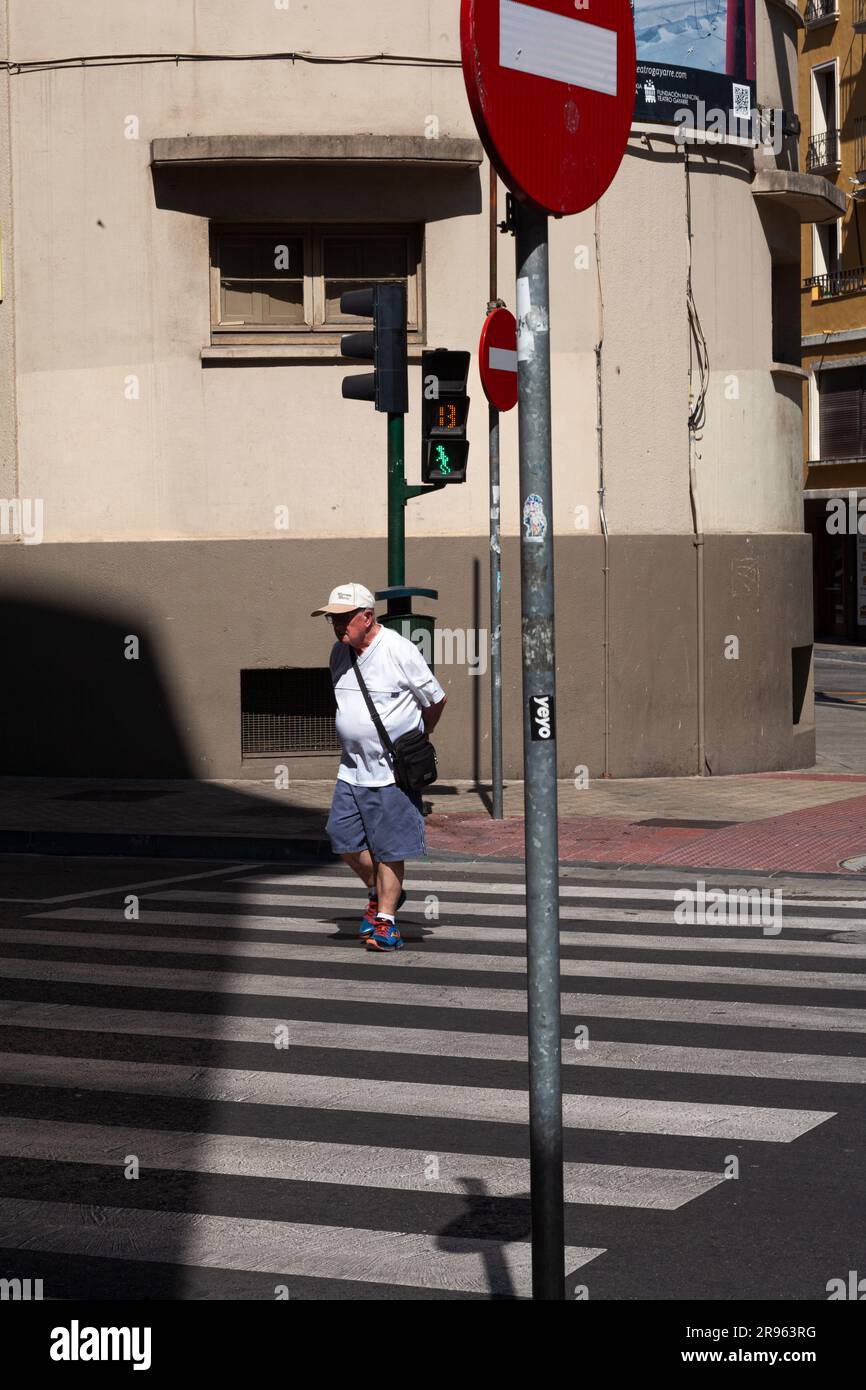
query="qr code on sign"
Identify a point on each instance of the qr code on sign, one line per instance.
(742, 104)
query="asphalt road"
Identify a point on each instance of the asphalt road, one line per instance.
(840, 712)
(226, 1096)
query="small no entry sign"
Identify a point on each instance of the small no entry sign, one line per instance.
(497, 357)
(551, 84)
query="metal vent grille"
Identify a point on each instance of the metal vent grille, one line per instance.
(288, 710)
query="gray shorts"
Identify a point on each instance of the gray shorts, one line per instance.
(385, 820)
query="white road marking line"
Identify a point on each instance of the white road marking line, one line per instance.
(424, 1042)
(378, 990)
(285, 1249)
(150, 883)
(354, 1165)
(440, 931)
(458, 961)
(602, 912)
(624, 1115)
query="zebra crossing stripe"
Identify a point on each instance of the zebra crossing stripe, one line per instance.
(587, 913)
(448, 960)
(441, 931)
(470, 1046)
(493, 1047)
(354, 1165)
(285, 1249)
(377, 990)
(291, 1250)
(443, 883)
(776, 1066)
(634, 1115)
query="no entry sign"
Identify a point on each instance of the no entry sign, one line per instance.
(551, 84)
(497, 358)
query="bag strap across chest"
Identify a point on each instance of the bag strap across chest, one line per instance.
(374, 713)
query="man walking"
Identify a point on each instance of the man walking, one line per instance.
(374, 825)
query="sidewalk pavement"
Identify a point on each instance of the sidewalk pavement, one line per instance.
(788, 823)
(839, 651)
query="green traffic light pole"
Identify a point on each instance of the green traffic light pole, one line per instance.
(387, 386)
(399, 493)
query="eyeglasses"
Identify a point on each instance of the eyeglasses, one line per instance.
(344, 617)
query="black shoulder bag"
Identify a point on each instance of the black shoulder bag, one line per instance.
(413, 757)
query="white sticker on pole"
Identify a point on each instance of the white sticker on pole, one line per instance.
(525, 336)
(556, 46)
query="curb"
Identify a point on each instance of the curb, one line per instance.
(146, 845)
(618, 865)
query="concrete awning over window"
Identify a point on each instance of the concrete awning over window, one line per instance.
(318, 149)
(810, 197)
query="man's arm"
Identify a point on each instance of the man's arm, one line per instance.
(431, 714)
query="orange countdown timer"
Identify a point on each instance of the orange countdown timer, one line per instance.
(446, 417)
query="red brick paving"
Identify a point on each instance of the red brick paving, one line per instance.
(808, 776)
(808, 841)
(580, 838)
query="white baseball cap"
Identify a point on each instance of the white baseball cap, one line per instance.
(345, 599)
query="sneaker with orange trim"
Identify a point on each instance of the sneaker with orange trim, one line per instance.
(368, 921)
(385, 936)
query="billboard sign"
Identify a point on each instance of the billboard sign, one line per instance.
(695, 55)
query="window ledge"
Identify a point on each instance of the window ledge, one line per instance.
(287, 352)
(835, 463)
(789, 369)
(317, 149)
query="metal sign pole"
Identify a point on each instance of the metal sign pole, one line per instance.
(495, 618)
(495, 547)
(539, 755)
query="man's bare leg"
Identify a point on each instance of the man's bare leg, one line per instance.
(389, 882)
(364, 866)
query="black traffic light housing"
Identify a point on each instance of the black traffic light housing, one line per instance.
(444, 416)
(385, 347)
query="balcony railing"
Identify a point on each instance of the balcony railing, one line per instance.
(817, 10)
(859, 16)
(823, 150)
(838, 282)
(860, 144)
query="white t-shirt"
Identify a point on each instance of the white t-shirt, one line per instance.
(400, 684)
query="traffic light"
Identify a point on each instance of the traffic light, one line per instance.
(444, 416)
(385, 347)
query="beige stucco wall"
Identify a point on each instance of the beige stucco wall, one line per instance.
(8, 419)
(111, 283)
(111, 286)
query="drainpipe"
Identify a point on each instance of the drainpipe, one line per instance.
(697, 520)
(699, 551)
(601, 512)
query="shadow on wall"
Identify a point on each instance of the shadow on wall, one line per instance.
(155, 1037)
(74, 704)
(311, 193)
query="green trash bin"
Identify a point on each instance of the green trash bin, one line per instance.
(415, 627)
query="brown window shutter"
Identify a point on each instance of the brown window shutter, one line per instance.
(841, 412)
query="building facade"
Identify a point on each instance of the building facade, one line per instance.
(179, 220)
(833, 143)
